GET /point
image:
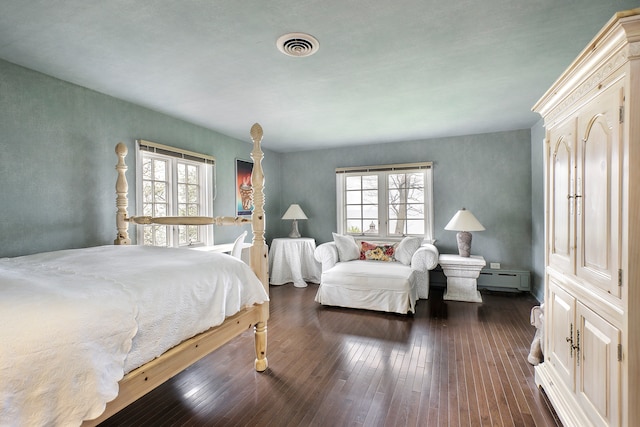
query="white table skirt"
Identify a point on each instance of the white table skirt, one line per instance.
(291, 260)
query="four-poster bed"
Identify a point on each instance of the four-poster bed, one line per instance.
(83, 326)
(146, 378)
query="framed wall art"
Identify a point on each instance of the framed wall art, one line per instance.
(244, 188)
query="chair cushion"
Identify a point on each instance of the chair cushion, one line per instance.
(370, 275)
(370, 285)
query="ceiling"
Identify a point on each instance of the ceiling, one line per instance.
(386, 71)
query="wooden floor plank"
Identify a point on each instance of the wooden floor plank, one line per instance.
(449, 364)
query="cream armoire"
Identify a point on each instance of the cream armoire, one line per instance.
(591, 368)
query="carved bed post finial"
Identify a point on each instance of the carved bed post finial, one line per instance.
(122, 188)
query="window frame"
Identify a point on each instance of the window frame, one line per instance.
(206, 182)
(382, 172)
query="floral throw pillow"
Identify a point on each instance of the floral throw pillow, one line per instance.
(375, 252)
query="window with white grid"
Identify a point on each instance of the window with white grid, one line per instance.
(173, 182)
(389, 201)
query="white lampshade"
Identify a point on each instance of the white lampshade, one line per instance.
(294, 212)
(464, 220)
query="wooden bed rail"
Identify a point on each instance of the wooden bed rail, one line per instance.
(188, 220)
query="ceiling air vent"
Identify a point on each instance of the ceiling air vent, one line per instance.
(298, 44)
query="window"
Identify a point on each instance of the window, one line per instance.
(173, 182)
(386, 201)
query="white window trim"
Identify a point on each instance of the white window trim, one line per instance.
(342, 173)
(207, 186)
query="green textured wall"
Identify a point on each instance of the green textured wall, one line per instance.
(57, 161)
(489, 174)
(537, 210)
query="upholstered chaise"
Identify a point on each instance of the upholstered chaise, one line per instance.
(392, 286)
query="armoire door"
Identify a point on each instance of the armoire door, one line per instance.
(560, 195)
(561, 332)
(598, 367)
(598, 190)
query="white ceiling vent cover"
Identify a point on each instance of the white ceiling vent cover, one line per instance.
(298, 44)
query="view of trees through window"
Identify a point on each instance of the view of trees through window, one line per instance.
(172, 187)
(155, 200)
(406, 203)
(386, 203)
(188, 201)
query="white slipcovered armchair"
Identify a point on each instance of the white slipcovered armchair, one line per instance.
(393, 285)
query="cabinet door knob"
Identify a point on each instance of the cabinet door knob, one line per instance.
(569, 339)
(577, 347)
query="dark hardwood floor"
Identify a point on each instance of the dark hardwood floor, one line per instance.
(450, 364)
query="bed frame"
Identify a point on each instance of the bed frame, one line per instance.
(149, 376)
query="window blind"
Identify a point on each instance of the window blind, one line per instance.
(385, 168)
(154, 147)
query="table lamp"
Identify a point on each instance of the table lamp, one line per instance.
(295, 213)
(463, 222)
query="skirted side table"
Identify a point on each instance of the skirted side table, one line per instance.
(291, 260)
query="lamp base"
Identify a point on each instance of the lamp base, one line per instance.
(294, 230)
(464, 243)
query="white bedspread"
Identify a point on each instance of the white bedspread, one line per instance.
(73, 322)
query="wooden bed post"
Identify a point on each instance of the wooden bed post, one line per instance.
(259, 252)
(122, 188)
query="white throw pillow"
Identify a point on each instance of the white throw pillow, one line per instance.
(347, 247)
(406, 248)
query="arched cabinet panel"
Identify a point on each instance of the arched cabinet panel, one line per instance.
(560, 197)
(598, 191)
